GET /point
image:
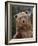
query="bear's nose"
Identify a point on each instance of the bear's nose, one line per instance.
(23, 21)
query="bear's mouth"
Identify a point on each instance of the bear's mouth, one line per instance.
(26, 26)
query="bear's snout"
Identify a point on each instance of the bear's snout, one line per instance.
(23, 21)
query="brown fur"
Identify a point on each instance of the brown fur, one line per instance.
(23, 29)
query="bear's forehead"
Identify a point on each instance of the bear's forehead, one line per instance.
(21, 14)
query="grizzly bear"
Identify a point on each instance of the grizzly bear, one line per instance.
(23, 25)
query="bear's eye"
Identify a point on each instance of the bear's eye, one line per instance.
(16, 16)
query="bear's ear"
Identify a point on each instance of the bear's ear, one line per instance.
(26, 12)
(15, 16)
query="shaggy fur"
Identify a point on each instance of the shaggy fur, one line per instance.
(23, 25)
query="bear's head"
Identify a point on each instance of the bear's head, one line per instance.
(23, 20)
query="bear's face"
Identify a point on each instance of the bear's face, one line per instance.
(23, 20)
